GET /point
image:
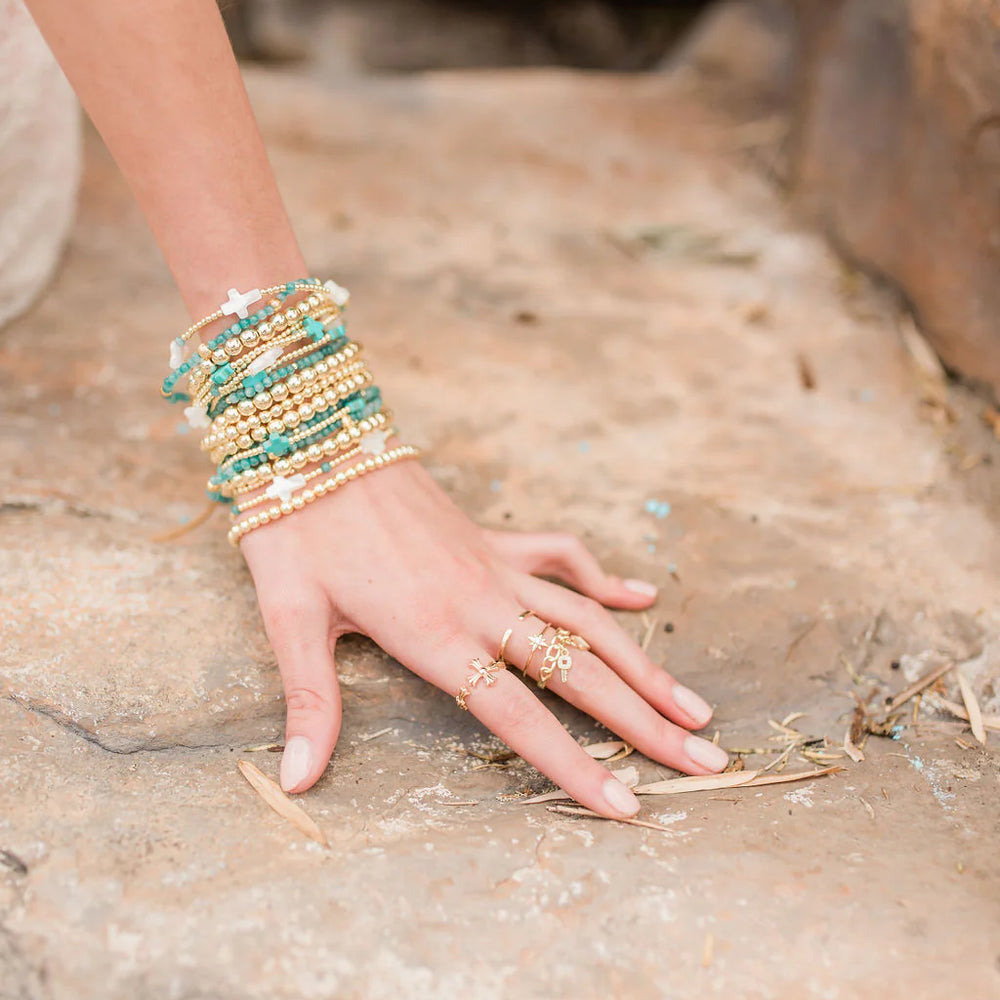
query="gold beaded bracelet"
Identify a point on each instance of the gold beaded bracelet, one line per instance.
(321, 394)
(201, 385)
(330, 485)
(329, 450)
(281, 485)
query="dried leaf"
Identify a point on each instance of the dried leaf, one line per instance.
(272, 794)
(989, 721)
(852, 751)
(972, 707)
(628, 776)
(869, 808)
(602, 751)
(740, 779)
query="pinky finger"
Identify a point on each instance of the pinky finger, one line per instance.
(511, 711)
(564, 557)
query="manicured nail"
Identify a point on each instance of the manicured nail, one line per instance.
(640, 587)
(705, 753)
(692, 705)
(621, 800)
(296, 762)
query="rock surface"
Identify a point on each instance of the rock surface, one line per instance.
(898, 149)
(617, 321)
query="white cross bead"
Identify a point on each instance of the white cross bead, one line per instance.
(196, 417)
(338, 293)
(282, 488)
(264, 361)
(236, 304)
(176, 353)
(373, 443)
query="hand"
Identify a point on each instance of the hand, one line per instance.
(391, 556)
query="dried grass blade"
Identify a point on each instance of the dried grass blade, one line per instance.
(628, 776)
(601, 751)
(989, 721)
(972, 707)
(581, 811)
(272, 794)
(918, 685)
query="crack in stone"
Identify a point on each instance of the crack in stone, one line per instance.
(64, 722)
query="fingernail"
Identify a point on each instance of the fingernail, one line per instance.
(621, 800)
(640, 587)
(691, 704)
(296, 762)
(705, 753)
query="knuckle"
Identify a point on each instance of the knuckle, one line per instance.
(586, 607)
(514, 714)
(285, 614)
(302, 700)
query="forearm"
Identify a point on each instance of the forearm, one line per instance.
(159, 80)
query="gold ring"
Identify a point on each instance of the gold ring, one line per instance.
(487, 673)
(503, 643)
(557, 655)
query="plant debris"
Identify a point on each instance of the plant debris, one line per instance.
(590, 814)
(270, 791)
(972, 707)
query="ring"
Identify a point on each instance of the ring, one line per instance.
(479, 673)
(557, 655)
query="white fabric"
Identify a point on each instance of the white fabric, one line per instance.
(39, 159)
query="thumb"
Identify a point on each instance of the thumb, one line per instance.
(302, 641)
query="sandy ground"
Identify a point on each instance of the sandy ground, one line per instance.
(580, 299)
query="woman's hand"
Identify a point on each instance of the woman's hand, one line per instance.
(393, 558)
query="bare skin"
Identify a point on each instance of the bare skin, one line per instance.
(391, 556)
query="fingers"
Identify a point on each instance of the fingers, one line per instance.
(622, 654)
(592, 687)
(513, 712)
(564, 557)
(299, 630)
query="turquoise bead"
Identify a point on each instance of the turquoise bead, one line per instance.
(313, 327)
(277, 445)
(222, 375)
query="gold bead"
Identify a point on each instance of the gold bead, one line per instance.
(282, 466)
(298, 459)
(245, 406)
(308, 496)
(279, 391)
(258, 433)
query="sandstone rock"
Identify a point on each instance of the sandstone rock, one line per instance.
(897, 151)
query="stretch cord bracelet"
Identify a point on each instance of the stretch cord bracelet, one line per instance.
(252, 479)
(181, 367)
(327, 486)
(279, 445)
(276, 392)
(321, 393)
(281, 436)
(214, 375)
(286, 400)
(219, 380)
(282, 487)
(311, 397)
(256, 385)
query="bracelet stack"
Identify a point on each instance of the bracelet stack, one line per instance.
(288, 403)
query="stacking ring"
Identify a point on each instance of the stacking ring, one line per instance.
(487, 673)
(556, 647)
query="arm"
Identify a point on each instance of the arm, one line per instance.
(160, 82)
(389, 556)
